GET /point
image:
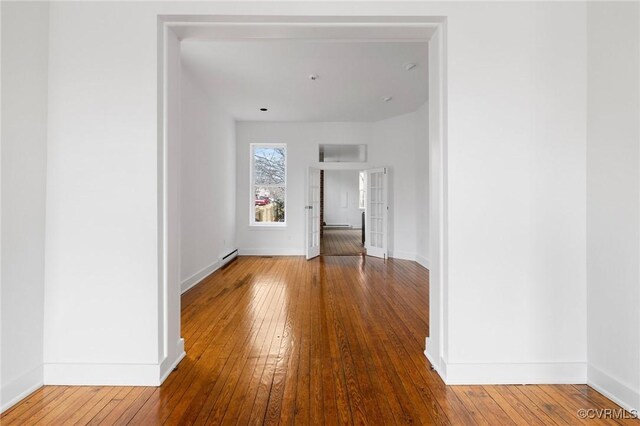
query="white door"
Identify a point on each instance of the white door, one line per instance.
(376, 212)
(313, 214)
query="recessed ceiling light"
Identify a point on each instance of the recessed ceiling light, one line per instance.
(314, 77)
(263, 109)
(387, 98)
(409, 66)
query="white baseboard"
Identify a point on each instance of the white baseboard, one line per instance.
(614, 389)
(404, 255)
(423, 261)
(271, 252)
(113, 374)
(434, 359)
(102, 374)
(199, 276)
(21, 387)
(514, 373)
(168, 365)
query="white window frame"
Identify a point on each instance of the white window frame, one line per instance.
(252, 208)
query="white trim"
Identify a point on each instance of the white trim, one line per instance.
(21, 387)
(102, 374)
(76, 374)
(613, 388)
(271, 252)
(404, 255)
(300, 252)
(268, 227)
(514, 373)
(438, 197)
(434, 359)
(422, 260)
(295, 26)
(196, 278)
(165, 368)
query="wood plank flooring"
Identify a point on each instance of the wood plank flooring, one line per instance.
(341, 242)
(282, 340)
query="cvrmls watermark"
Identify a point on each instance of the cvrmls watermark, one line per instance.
(606, 413)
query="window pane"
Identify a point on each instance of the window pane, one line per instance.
(269, 203)
(269, 183)
(362, 189)
(269, 166)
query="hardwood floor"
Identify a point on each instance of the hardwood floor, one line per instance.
(332, 340)
(341, 242)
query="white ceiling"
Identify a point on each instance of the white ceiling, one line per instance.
(244, 76)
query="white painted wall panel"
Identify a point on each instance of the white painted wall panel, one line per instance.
(207, 185)
(341, 191)
(25, 29)
(613, 200)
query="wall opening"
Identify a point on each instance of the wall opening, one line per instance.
(173, 29)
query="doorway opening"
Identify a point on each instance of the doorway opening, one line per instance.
(281, 35)
(342, 214)
(347, 212)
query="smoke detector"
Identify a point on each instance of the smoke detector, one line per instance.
(409, 66)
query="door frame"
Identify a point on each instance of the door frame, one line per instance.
(355, 167)
(172, 28)
(346, 166)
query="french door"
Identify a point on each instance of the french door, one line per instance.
(376, 213)
(312, 210)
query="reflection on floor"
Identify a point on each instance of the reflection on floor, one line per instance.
(333, 340)
(341, 242)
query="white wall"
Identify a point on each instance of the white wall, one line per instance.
(422, 187)
(302, 141)
(613, 201)
(170, 345)
(24, 136)
(391, 143)
(516, 296)
(395, 144)
(341, 198)
(515, 304)
(101, 299)
(207, 183)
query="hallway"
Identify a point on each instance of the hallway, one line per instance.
(341, 242)
(333, 340)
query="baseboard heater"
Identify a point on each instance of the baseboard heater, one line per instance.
(229, 258)
(337, 226)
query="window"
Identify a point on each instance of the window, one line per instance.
(362, 186)
(268, 184)
(334, 153)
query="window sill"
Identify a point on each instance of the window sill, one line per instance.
(269, 227)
